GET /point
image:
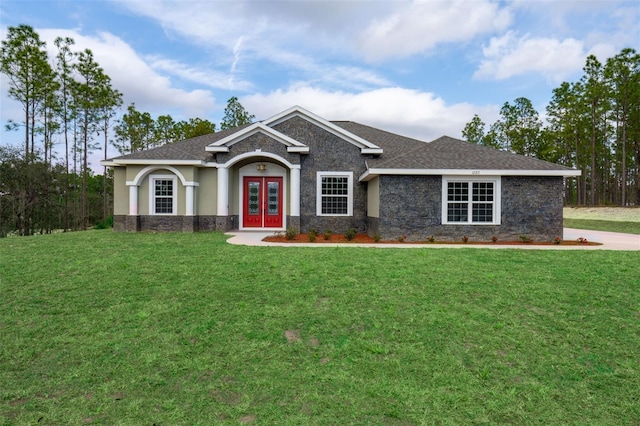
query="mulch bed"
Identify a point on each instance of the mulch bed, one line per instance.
(365, 239)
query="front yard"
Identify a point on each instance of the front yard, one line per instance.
(172, 329)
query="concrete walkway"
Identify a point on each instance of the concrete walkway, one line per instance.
(609, 241)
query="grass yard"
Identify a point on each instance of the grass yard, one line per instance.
(184, 329)
(603, 225)
(611, 219)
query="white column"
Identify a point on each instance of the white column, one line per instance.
(294, 208)
(133, 200)
(189, 201)
(223, 191)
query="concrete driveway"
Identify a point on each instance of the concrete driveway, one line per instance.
(609, 241)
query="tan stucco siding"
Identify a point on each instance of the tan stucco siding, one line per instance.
(373, 197)
(234, 195)
(132, 172)
(207, 192)
(120, 191)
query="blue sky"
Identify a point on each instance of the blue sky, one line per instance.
(418, 68)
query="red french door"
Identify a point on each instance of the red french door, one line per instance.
(262, 204)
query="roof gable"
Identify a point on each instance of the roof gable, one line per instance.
(365, 146)
(223, 144)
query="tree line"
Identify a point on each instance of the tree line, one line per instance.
(592, 124)
(69, 100)
(137, 131)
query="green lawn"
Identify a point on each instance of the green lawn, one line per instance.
(603, 225)
(183, 329)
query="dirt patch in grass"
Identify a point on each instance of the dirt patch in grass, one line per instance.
(19, 401)
(227, 397)
(292, 336)
(366, 239)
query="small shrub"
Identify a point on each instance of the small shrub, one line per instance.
(431, 239)
(291, 233)
(401, 238)
(494, 239)
(350, 234)
(376, 238)
(105, 224)
(312, 234)
(557, 240)
(525, 239)
(465, 239)
(326, 235)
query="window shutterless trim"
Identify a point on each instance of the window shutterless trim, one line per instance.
(464, 199)
(348, 196)
(152, 194)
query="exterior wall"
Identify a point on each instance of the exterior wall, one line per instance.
(234, 192)
(411, 206)
(119, 223)
(327, 152)
(373, 198)
(532, 206)
(120, 192)
(168, 223)
(207, 192)
(373, 226)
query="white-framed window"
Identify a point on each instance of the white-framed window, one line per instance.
(164, 195)
(334, 194)
(471, 201)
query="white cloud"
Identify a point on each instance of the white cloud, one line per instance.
(247, 36)
(509, 55)
(199, 74)
(420, 26)
(412, 113)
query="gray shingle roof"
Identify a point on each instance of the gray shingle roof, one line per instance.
(188, 149)
(400, 152)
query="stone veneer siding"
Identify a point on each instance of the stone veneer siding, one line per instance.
(124, 223)
(411, 206)
(327, 153)
(260, 142)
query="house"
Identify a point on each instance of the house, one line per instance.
(297, 169)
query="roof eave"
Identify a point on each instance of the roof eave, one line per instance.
(151, 162)
(374, 172)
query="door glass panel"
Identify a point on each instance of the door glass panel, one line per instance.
(254, 198)
(273, 194)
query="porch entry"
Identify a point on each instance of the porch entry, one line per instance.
(262, 204)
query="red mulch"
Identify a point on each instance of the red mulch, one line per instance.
(365, 239)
